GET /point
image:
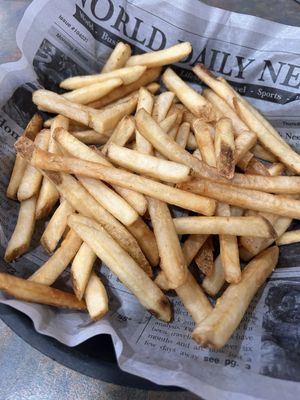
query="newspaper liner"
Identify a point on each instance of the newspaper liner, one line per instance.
(60, 39)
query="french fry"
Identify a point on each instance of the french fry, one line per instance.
(88, 94)
(262, 153)
(229, 250)
(288, 238)
(162, 281)
(118, 57)
(48, 195)
(225, 110)
(168, 123)
(183, 134)
(238, 226)
(20, 240)
(159, 58)
(197, 154)
(243, 143)
(81, 269)
(253, 247)
(121, 134)
(196, 103)
(127, 75)
(126, 269)
(194, 299)
(276, 169)
(131, 90)
(89, 136)
(32, 178)
(284, 153)
(244, 162)
(162, 105)
(215, 330)
(146, 101)
(168, 171)
(204, 139)
(256, 167)
(205, 258)
(172, 133)
(246, 198)
(85, 204)
(109, 200)
(213, 284)
(32, 129)
(169, 148)
(33, 292)
(172, 261)
(192, 245)
(53, 162)
(77, 149)
(225, 148)
(108, 119)
(56, 226)
(48, 273)
(96, 298)
(146, 239)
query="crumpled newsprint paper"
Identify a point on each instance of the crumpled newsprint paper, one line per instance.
(261, 59)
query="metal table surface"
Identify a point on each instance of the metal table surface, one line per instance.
(25, 373)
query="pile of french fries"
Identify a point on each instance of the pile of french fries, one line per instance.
(112, 163)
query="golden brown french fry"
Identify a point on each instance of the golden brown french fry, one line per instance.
(196, 103)
(89, 136)
(48, 195)
(168, 123)
(146, 239)
(194, 299)
(283, 152)
(145, 101)
(32, 178)
(121, 134)
(262, 153)
(168, 171)
(276, 169)
(172, 261)
(96, 298)
(192, 245)
(20, 240)
(244, 162)
(53, 162)
(183, 134)
(238, 226)
(162, 281)
(110, 200)
(256, 167)
(169, 148)
(203, 134)
(162, 105)
(118, 57)
(172, 133)
(215, 330)
(254, 247)
(48, 273)
(77, 149)
(88, 94)
(159, 58)
(56, 226)
(131, 90)
(229, 250)
(213, 284)
(32, 129)
(289, 237)
(108, 119)
(225, 110)
(205, 258)
(246, 198)
(243, 143)
(225, 148)
(84, 203)
(33, 292)
(81, 269)
(127, 75)
(126, 269)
